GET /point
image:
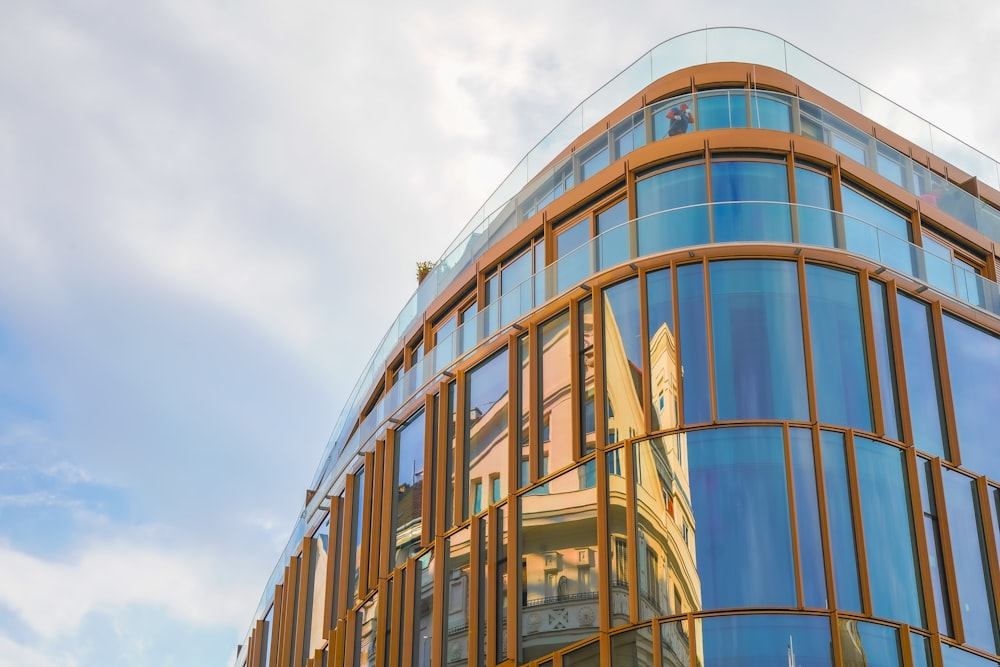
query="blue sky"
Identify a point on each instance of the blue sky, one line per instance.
(209, 211)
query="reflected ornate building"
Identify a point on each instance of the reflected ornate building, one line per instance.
(714, 393)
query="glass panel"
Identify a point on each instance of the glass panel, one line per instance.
(618, 564)
(968, 545)
(423, 615)
(633, 648)
(266, 639)
(807, 519)
(723, 110)
(770, 113)
(675, 120)
(677, 188)
(956, 657)
(357, 524)
(974, 366)
(766, 639)
(744, 558)
(623, 365)
(939, 584)
(366, 624)
(457, 595)
(585, 656)
(694, 344)
(573, 254)
(486, 423)
(667, 570)
(588, 411)
(875, 231)
(885, 360)
(838, 349)
(559, 564)
(613, 244)
(888, 525)
(674, 644)
(662, 349)
(920, 648)
(844, 554)
(449, 488)
(750, 182)
(757, 340)
(937, 264)
(316, 587)
(409, 477)
(556, 409)
(524, 394)
(500, 546)
(812, 194)
(869, 644)
(922, 382)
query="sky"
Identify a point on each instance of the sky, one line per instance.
(210, 211)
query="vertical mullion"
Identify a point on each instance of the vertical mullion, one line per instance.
(871, 358)
(288, 612)
(792, 515)
(395, 620)
(533, 400)
(807, 341)
(944, 378)
(513, 419)
(302, 636)
(513, 517)
(441, 462)
(838, 649)
(859, 524)
(381, 620)
(344, 559)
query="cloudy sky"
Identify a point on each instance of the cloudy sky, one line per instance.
(210, 210)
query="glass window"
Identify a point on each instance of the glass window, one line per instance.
(613, 246)
(807, 519)
(875, 231)
(757, 340)
(885, 360)
(675, 646)
(674, 197)
(722, 109)
(357, 523)
(457, 595)
(747, 185)
(844, 555)
(869, 643)
(587, 394)
(409, 485)
(672, 118)
(923, 386)
(366, 629)
(594, 157)
(486, 420)
(974, 366)
(932, 530)
(524, 394)
(662, 349)
(920, 648)
(633, 648)
(938, 270)
(316, 586)
(555, 391)
(629, 135)
(840, 367)
(588, 655)
(449, 493)
(515, 291)
(623, 365)
(265, 641)
(573, 253)
(694, 344)
(968, 547)
(812, 194)
(889, 541)
(770, 113)
(744, 558)
(765, 639)
(500, 584)
(956, 657)
(423, 616)
(558, 564)
(621, 587)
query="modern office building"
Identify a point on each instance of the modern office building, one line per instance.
(712, 379)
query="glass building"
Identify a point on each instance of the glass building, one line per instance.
(709, 381)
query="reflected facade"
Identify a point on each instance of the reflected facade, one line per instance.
(692, 399)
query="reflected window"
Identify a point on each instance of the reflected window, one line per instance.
(587, 393)
(623, 364)
(770, 112)
(486, 423)
(409, 485)
(555, 355)
(765, 639)
(869, 643)
(662, 349)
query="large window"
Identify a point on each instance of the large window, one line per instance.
(486, 448)
(409, 484)
(748, 184)
(683, 188)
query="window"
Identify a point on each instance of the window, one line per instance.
(477, 496)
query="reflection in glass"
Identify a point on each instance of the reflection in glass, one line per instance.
(486, 426)
(674, 644)
(573, 254)
(316, 586)
(556, 395)
(662, 349)
(588, 411)
(766, 639)
(722, 110)
(749, 183)
(888, 525)
(744, 557)
(920, 649)
(524, 394)
(838, 349)
(757, 340)
(423, 615)
(409, 486)
(500, 584)
(770, 113)
(885, 360)
(559, 564)
(974, 366)
(588, 655)
(923, 386)
(844, 555)
(623, 367)
(956, 657)
(694, 343)
(968, 545)
(816, 225)
(667, 570)
(449, 487)
(868, 643)
(873, 230)
(807, 518)
(621, 586)
(457, 595)
(932, 529)
(673, 189)
(614, 244)
(633, 648)
(357, 525)
(366, 627)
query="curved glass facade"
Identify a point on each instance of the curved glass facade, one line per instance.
(732, 408)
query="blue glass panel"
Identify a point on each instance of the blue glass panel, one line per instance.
(409, 479)
(844, 554)
(766, 639)
(757, 340)
(750, 182)
(722, 110)
(770, 114)
(486, 450)
(807, 519)
(623, 365)
(968, 545)
(838, 349)
(920, 648)
(613, 243)
(974, 366)
(922, 382)
(816, 225)
(743, 538)
(932, 530)
(888, 524)
(694, 345)
(671, 190)
(874, 231)
(956, 657)
(885, 360)
(573, 254)
(662, 349)
(869, 644)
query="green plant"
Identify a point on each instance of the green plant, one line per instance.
(423, 268)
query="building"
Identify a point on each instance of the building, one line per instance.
(710, 380)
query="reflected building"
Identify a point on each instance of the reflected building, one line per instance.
(709, 395)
